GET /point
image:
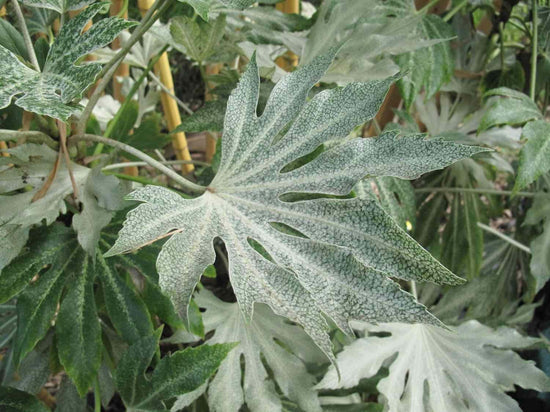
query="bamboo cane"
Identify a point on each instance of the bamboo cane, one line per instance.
(169, 105)
(210, 137)
(289, 61)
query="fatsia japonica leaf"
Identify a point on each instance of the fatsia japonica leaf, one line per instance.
(467, 368)
(268, 338)
(175, 374)
(60, 6)
(340, 263)
(52, 91)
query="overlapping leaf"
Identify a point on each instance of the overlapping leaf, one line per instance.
(441, 370)
(283, 346)
(61, 82)
(340, 263)
(32, 164)
(179, 373)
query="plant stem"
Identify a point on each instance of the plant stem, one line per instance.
(26, 35)
(480, 191)
(190, 186)
(504, 237)
(168, 162)
(413, 289)
(534, 51)
(455, 10)
(169, 93)
(31, 136)
(109, 69)
(138, 179)
(428, 6)
(97, 396)
(133, 90)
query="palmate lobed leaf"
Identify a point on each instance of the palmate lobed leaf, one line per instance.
(341, 265)
(268, 339)
(52, 91)
(467, 368)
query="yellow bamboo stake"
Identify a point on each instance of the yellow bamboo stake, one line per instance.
(169, 105)
(210, 138)
(289, 60)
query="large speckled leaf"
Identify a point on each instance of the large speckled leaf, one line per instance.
(340, 264)
(60, 6)
(53, 91)
(268, 338)
(468, 368)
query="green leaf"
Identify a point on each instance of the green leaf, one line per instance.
(174, 375)
(208, 118)
(52, 91)
(51, 245)
(12, 40)
(238, 4)
(202, 7)
(68, 399)
(37, 305)
(60, 6)
(429, 67)
(538, 214)
(125, 307)
(507, 106)
(350, 22)
(13, 400)
(78, 331)
(474, 360)
(14, 239)
(197, 39)
(349, 247)
(283, 347)
(101, 196)
(534, 158)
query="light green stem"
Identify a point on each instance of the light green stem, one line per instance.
(109, 69)
(534, 51)
(186, 184)
(26, 35)
(480, 191)
(508, 239)
(97, 396)
(168, 162)
(455, 10)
